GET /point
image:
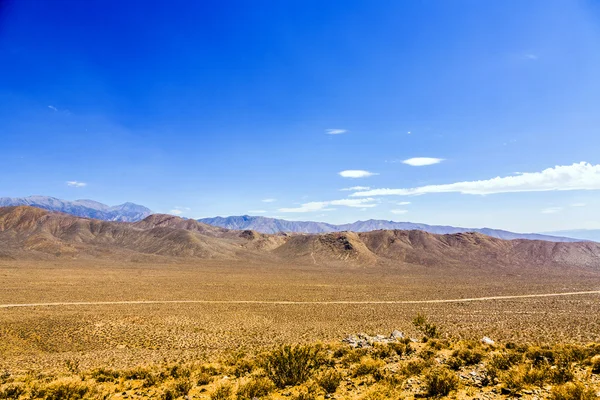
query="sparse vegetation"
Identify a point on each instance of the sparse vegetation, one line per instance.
(330, 380)
(429, 330)
(255, 388)
(291, 365)
(225, 351)
(440, 382)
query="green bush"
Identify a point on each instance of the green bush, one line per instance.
(105, 375)
(469, 356)
(222, 392)
(329, 380)
(292, 365)
(429, 330)
(572, 391)
(414, 367)
(67, 389)
(12, 391)
(440, 381)
(595, 364)
(367, 366)
(255, 388)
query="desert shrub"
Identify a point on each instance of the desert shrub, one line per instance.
(427, 354)
(329, 380)
(440, 381)
(429, 330)
(222, 392)
(367, 366)
(595, 364)
(203, 378)
(540, 355)
(341, 351)
(383, 351)
(306, 395)
(168, 394)
(503, 360)
(353, 356)
(469, 356)
(139, 373)
(66, 389)
(105, 375)
(243, 366)
(572, 391)
(182, 386)
(380, 392)
(437, 344)
(455, 363)
(12, 391)
(177, 371)
(255, 388)
(402, 349)
(519, 376)
(292, 365)
(572, 353)
(72, 366)
(562, 371)
(414, 367)
(151, 380)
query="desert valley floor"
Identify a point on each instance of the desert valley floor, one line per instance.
(127, 334)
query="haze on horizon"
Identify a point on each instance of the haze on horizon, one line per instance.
(450, 113)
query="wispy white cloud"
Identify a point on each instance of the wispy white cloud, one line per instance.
(579, 176)
(403, 203)
(422, 161)
(269, 200)
(257, 211)
(324, 205)
(76, 184)
(531, 56)
(53, 108)
(552, 210)
(578, 205)
(355, 189)
(399, 211)
(178, 210)
(356, 173)
(335, 131)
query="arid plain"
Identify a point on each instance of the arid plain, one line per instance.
(68, 314)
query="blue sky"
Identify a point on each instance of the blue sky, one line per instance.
(211, 108)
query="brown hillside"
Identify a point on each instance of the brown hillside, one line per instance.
(31, 232)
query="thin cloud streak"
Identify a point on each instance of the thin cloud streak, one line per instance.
(356, 189)
(422, 161)
(578, 176)
(335, 131)
(356, 173)
(76, 184)
(323, 205)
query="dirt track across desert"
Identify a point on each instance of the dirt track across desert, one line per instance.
(283, 302)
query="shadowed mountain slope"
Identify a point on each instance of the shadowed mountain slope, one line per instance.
(273, 225)
(30, 232)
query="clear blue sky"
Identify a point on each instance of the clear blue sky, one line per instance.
(208, 108)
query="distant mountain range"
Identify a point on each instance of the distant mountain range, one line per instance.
(32, 233)
(273, 225)
(127, 212)
(582, 234)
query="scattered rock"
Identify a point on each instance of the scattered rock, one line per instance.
(396, 334)
(487, 340)
(363, 340)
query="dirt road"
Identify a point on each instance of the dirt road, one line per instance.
(284, 302)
